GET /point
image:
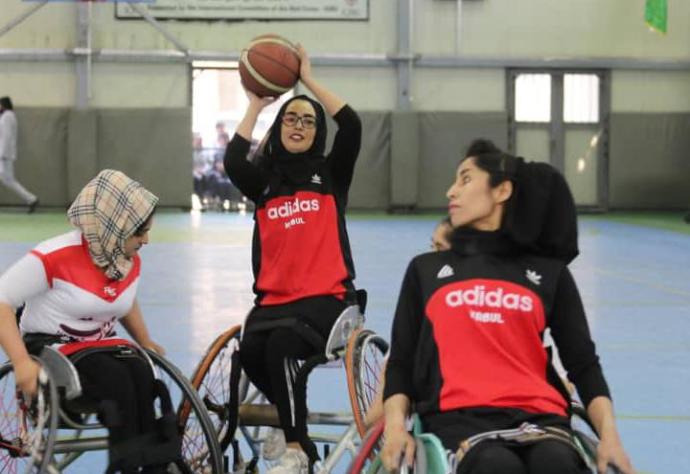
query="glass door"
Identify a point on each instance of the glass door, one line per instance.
(561, 117)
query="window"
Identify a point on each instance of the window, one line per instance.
(533, 98)
(580, 98)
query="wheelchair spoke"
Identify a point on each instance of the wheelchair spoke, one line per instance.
(212, 380)
(27, 431)
(364, 364)
(200, 452)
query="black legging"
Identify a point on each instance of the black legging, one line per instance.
(123, 387)
(545, 457)
(269, 356)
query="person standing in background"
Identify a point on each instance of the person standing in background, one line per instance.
(8, 153)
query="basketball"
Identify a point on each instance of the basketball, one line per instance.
(269, 66)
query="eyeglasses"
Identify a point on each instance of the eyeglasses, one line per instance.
(290, 119)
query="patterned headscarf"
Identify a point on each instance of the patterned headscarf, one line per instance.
(108, 211)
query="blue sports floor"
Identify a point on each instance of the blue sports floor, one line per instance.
(634, 281)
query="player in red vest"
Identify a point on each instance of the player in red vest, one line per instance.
(301, 255)
(466, 345)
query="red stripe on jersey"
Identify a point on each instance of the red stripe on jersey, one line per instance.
(74, 347)
(301, 253)
(490, 349)
(73, 265)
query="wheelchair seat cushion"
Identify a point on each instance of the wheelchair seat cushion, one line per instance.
(72, 348)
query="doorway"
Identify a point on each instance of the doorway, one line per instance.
(561, 117)
(218, 105)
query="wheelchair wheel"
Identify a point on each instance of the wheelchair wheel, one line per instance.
(27, 433)
(200, 450)
(366, 459)
(211, 379)
(364, 360)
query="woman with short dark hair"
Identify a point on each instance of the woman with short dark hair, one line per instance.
(467, 351)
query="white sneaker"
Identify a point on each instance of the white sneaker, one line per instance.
(274, 445)
(294, 461)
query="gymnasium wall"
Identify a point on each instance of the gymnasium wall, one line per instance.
(650, 140)
(649, 109)
(60, 149)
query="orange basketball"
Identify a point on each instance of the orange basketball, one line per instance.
(269, 66)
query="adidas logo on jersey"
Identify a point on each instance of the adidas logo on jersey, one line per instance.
(445, 272)
(533, 276)
(478, 296)
(316, 179)
(293, 207)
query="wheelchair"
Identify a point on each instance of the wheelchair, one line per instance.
(237, 407)
(55, 429)
(431, 457)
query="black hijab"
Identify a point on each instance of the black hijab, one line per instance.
(296, 168)
(542, 215)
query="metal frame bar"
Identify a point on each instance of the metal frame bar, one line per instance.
(557, 132)
(404, 59)
(352, 60)
(21, 17)
(345, 443)
(603, 149)
(83, 60)
(158, 27)
(68, 446)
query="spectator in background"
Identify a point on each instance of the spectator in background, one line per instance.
(440, 238)
(8, 153)
(199, 165)
(222, 137)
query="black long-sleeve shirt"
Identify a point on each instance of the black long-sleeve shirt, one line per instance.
(300, 245)
(468, 332)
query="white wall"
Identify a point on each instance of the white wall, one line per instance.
(459, 89)
(490, 28)
(650, 91)
(140, 85)
(550, 28)
(35, 84)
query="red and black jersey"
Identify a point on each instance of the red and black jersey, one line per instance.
(469, 325)
(300, 245)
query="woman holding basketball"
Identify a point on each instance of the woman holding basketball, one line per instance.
(301, 256)
(467, 342)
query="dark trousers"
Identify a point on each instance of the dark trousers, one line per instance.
(495, 457)
(123, 389)
(544, 457)
(270, 351)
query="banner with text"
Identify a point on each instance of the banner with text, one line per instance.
(250, 10)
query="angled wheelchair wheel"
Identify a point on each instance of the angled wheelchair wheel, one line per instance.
(364, 361)
(27, 432)
(367, 459)
(212, 380)
(586, 438)
(200, 450)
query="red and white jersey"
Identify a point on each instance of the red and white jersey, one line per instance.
(66, 294)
